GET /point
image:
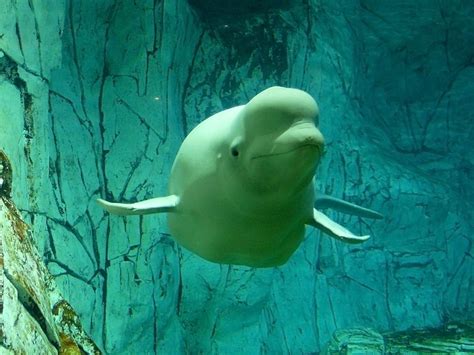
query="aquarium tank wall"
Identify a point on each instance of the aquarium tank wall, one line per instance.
(97, 96)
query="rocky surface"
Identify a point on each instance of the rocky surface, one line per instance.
(34, 317)
(453, 338)
(95, 98)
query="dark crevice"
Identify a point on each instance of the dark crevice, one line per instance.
(141, 118)
(38, 37)
(186, 85)
(33, 309)
(84, 122)
(102, 172)
(5, 176)
(55, 167)
(51, 244)
(133, 167)
(69, 228)
(95, 245)
(67, 270)
(155, 316)
(18, 35)
(81, 174)
(75, 57)
(157, 38)
(180, 284)
(9, 70)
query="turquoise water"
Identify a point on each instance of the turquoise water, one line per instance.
(97, 97)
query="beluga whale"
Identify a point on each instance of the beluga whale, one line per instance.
(241, 189)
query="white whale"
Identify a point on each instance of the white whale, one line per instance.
(241, 187)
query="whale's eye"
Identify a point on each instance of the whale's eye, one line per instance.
(234, 151)
(235, 146)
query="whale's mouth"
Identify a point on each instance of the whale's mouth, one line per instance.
(312, 145)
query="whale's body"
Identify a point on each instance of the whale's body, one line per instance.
(241, 187)
(227, 230)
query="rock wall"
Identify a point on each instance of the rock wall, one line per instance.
(34, 316)
(95, 98)
(452, 338)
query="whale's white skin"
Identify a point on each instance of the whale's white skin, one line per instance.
(241, 187)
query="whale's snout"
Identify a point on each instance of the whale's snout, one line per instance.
(312, 137)
(299, 135)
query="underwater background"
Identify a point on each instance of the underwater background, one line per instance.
(97, 96)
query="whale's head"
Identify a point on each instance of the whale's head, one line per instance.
(280, 145)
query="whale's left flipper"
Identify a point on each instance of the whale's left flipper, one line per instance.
(325, 201)
(154, 205)
(335, 230)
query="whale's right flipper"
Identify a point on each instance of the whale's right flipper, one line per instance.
(335, 230)
(154, 205)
